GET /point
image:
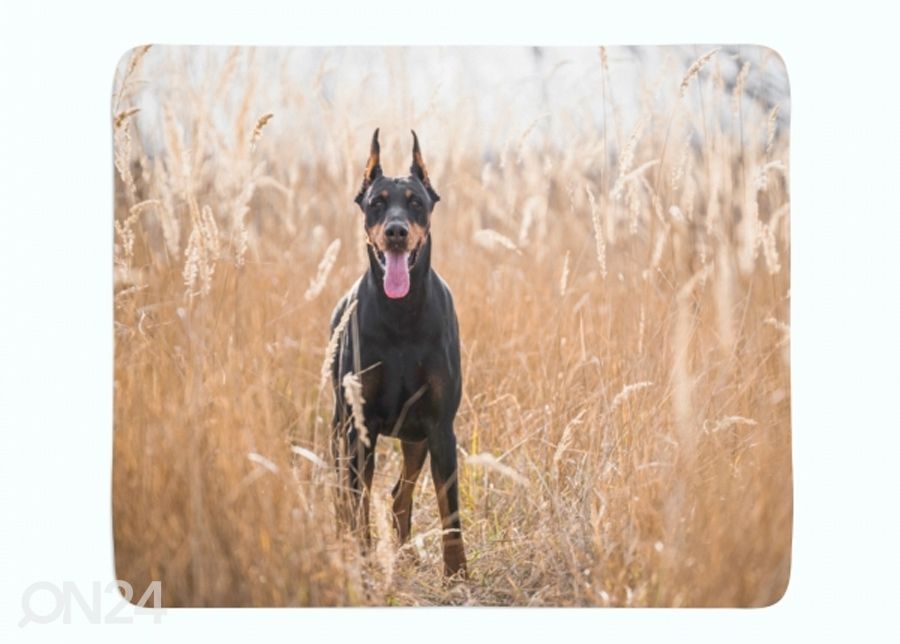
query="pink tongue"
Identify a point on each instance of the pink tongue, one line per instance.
(396, 275)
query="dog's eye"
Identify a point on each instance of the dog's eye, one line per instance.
(377, 205)
(415, 204)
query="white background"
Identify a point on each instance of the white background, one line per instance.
(56, 310)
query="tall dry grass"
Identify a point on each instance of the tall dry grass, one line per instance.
(621, 276)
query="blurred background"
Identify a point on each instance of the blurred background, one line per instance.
(494, 93)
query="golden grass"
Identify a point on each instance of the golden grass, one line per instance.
(624, 433)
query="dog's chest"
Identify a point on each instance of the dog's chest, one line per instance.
(403, 388)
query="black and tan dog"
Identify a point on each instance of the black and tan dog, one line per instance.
(402, 341)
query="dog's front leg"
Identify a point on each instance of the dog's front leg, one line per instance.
(355, 464)
(413, 459)
(442, 448)
(361, 468)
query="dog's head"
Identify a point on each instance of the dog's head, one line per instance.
(397, 216)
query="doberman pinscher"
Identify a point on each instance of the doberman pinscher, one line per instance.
(402, 342)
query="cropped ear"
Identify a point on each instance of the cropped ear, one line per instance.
(417, 169)
(373, 168)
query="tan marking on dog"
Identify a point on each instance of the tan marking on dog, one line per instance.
(385, 194)
(376, 236)
(408, 193)
(416, 236)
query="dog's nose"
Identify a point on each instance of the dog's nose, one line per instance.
(396, 231)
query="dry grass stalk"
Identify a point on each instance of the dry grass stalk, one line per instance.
(147, 203)
(566, 439)
(679, 170)
(564, 275)
(694, 70)
(626, 392)
(724, 300)
(771, 125)
(258, 128)
(333, 343)
(520, 145)
(127, 80)
(353, 395)
(124, 115)
(266, 463)
(729, 422)
(738, 92)
(626, 160)
(490, 462)
(124, 252)
(682, 377)
(309, 455)
(770, 248)
(599, 234)
(491, 240)
(317, 283)
(201, 253)
(177, 158)
(239, 224)
(122, 153)
(634, 176)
